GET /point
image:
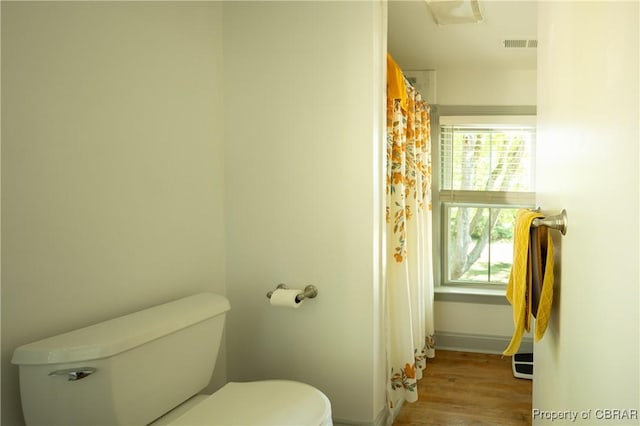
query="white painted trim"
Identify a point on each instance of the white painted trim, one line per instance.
(477, 343)
(380, 420)
(395, 411)
(500, 121)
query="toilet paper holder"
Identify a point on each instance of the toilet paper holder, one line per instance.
(309, 292)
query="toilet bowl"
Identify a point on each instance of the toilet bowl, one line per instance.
(147, 368)
(257, 403)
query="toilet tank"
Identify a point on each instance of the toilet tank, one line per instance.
(126, 371)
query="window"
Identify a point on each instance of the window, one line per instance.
(486, 173)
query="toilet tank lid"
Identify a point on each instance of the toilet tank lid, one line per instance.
(120, 334)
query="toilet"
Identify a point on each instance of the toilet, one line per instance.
(148, 368)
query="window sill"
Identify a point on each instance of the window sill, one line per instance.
(470, 295)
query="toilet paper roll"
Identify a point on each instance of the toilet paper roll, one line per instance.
(286, 297)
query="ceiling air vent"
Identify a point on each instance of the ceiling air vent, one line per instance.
(519, 43)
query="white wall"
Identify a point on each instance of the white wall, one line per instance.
(474, 86)
(455, 321)
(474, 318)
(112, 165)
(588, 109)
(303, 107)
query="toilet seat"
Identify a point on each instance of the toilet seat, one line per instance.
(269, 402)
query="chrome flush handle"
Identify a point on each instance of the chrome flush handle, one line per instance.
(74, 374)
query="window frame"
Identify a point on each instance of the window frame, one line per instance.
(469, 292)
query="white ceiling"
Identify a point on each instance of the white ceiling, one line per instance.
(416, 42)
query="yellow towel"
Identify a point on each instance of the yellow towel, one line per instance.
(519, 287)
(396, 87)
(546, 296)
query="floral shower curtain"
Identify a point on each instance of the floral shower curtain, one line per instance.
(409, 270)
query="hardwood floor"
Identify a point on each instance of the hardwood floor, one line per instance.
(462, 388)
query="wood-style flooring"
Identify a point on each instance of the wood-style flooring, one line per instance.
(462, 388)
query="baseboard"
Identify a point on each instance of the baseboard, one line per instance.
(396, 410)
(380, 420)
(478, 343)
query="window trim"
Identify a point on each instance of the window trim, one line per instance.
(465, 294)
(505, 121)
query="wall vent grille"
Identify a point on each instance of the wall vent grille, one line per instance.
(519, 43)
